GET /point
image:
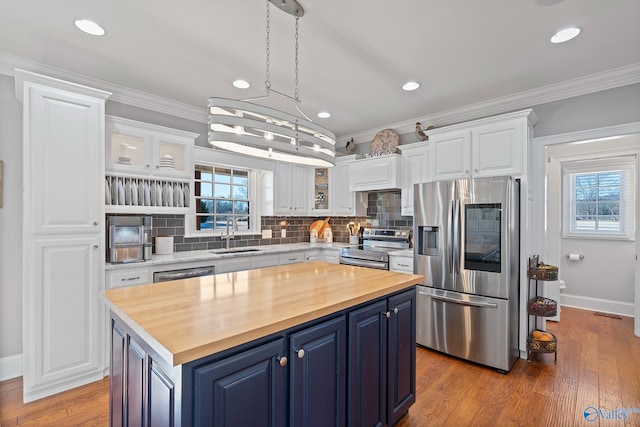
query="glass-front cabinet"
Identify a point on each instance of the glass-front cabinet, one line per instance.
(321, 189)
(143, 149)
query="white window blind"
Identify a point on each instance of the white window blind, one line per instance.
(599, 198)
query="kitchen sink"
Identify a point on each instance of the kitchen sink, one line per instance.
(235, 250)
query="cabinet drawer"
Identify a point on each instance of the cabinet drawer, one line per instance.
(401, 264)
(119, 279)
(291, 258)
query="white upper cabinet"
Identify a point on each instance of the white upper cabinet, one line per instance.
(142, 149)
(375, 173)
(321, 190)
(414, 171)
(487, 147)
(291, 183)
(344, 201)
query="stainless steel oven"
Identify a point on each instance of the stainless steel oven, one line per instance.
(375, 248)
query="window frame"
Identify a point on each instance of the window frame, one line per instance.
(254, 204)
(571, 169)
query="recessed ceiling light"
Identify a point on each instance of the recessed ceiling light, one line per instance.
(565, 35)
(324, 114)
(410, 86)
(89, 27)
(241, 84)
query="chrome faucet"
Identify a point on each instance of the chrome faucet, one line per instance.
(228, 237)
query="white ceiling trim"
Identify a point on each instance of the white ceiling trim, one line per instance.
(610, 79)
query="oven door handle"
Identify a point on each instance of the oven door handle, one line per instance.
(461, 302)
(363, 263)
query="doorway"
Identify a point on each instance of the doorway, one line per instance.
(591, 283)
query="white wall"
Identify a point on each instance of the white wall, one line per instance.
(605, 279)
(10, 222)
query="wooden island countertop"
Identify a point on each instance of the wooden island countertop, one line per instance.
(185, 320)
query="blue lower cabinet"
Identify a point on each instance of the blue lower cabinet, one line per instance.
(318, 375)
(382, 362)
(247, 389)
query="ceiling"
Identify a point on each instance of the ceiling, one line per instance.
(354, 54)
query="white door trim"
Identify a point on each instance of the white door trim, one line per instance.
(538, 191)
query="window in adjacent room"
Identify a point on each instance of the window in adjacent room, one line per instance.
(222, 195)
(599, 198)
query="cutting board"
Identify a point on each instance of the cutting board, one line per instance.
(320, 225)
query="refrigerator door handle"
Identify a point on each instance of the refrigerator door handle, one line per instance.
(456, 237)
(451, 237)
(457, 301)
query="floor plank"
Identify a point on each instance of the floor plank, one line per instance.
(598, 365)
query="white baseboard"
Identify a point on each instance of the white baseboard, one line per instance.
(598, 304)
(10, 367)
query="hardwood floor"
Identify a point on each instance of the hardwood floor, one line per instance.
(598, 366)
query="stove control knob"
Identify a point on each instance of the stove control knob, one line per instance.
(404, 234)
(397, 233)
(366, 231)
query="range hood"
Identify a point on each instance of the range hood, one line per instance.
(381, 173)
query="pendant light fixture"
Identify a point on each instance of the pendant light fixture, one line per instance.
(255, 130)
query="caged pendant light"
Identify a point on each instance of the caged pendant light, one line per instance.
(255, 130)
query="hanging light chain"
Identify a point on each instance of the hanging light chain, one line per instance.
(267, 82)
(296, 94)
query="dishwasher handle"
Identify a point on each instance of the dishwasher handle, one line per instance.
(165, 276)
(458, 301)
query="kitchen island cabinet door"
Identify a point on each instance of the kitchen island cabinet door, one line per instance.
(367, 382)
(248, 389)
(402, 355)
(318, 367)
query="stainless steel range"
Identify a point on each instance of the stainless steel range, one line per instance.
(375, 248)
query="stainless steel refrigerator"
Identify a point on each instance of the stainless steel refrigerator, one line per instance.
(467, 246)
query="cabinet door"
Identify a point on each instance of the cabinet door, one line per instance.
(450, 155)
(342, 196)
(128, 147)
(62, 332)
(298, 186)
(317, 392)
(64, 163)
(162, 397)
(402, 355)
(248, 389)
(497, 149)
(377, 173)
(367, 381)
(282, 188)
(321, 190)
(414, 171)
(291, 258)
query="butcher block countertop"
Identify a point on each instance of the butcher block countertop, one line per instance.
(185, 320)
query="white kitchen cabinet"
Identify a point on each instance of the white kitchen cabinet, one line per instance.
(401, 263)
(375, 173)
(488, 147)
(332, 256)
(321, 190)
(262, 261)
(291, 258)
(313, 256)
(128, 277)
(63, 234)
(230, 265)
(414, 171)
(291, 189)
(142, 149)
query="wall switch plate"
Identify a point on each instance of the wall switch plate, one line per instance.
(267, 234)
(283, 233)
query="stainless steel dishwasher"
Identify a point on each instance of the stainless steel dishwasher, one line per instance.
(186, 273)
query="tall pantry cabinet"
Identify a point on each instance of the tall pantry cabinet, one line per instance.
(63, 233)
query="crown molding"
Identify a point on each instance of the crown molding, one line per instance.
(121, 94)
(610, 79)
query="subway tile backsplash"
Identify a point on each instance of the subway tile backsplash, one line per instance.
(383, 211)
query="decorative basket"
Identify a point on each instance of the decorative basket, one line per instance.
(540, 306)
(543, 272)
(542, 346)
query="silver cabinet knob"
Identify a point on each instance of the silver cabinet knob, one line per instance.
(395, 310)
(283, 360)
(300, 353)
(387, 314)
(147, 166)
(95, 223)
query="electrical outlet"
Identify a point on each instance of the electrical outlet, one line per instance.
(267, 234)
(283, 233)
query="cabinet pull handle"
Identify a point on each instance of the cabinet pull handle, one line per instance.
(403, 265)
(300, 352)
(95, 246)
(283, 360)
(387, 314)
(95, 222)
(147, 166)
(124, 279)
